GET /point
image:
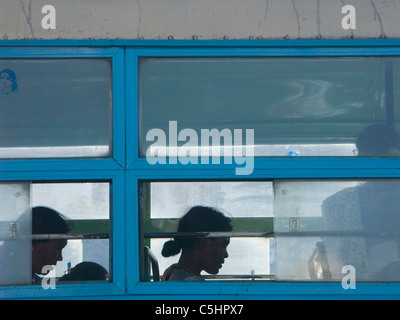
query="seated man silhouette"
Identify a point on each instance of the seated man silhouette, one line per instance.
(367, 215)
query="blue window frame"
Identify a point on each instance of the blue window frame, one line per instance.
(77, 169)
(313, 168)
(125, 169)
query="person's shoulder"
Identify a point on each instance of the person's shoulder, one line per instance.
(181, 274)
(343, 196)
(178, 273)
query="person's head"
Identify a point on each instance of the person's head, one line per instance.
(378, 140)
(210, 252)
(46, 221)
(8, 81)
(86, 271)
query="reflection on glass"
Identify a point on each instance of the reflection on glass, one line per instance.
(15, 231)
(337, 223)
(316, 227)
(55, 108)
(378, 140)
(8, 81)
(54, 233)
(297, 106)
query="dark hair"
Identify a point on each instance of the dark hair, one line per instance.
(377, 140)
(197, 219)
(86, 271)
(49, 221)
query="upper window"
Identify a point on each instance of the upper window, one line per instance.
(62, 151)
(301, 106)
(280, 227)
(52, 108)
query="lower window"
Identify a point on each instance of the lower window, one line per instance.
(278, 230)
(58, 231)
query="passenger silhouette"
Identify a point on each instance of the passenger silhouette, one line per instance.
(367, 215)
(378, 140)
(199, 253)
(47, 252)
(86, 271)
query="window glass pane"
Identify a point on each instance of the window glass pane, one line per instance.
(55, 108)
(296, 106)
(248, 207)
(15, 231)
(322, 226)
(249, 259)
(294, 230)
(88, 206)
(63, 228)
(240, 199)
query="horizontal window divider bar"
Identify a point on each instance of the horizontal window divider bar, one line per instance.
(59, 237)
(263, 175)
(272, 234)
(62, 291)
(54, 152)
(208, 234)
(278, 162)
(239, 276)
(75, 164)
(336, 234)
(244, 224)
(265, 290)
(84, 176)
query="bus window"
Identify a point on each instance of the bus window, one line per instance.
(297, 106)
(248, 205)
(282, 230)
(53, 108)
(55, 230)
(323, 226)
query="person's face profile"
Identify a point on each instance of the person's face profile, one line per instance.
(47, 253)
(214, 252)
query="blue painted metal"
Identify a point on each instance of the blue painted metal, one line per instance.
(118, 148)
(126, 169)
(132, 108)
(117, 286)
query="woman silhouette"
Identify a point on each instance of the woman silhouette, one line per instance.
(198, 252)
